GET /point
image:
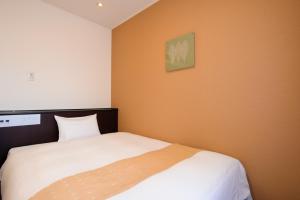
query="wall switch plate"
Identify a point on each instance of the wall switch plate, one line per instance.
(19, 120)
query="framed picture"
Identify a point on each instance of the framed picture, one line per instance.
(180, 52)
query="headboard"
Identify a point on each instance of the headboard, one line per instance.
(47, 130)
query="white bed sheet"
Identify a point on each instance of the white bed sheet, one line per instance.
(205, 176)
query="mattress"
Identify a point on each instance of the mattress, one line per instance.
(206, 175)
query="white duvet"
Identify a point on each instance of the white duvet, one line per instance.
(205, 176)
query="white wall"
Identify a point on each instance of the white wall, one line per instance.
(70, 57)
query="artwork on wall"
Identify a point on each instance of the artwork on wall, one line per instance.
(180, 52)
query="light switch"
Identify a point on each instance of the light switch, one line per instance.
(31, 76)
(19, 120)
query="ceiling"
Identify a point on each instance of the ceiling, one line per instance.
(112, 14)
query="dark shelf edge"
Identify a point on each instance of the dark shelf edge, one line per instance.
(18, 112)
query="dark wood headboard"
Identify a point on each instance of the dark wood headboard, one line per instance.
(47, 131)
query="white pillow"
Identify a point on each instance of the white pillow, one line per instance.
(77, 127)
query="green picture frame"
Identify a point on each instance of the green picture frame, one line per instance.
(180, 52)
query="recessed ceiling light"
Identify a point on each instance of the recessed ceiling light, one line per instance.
(100, 4)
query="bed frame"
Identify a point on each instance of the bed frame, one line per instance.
(47, 131)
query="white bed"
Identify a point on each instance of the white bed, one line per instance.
(205, 176)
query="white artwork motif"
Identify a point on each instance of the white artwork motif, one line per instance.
(179, 52)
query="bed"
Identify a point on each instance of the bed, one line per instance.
(205, 175)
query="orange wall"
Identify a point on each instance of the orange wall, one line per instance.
(242, 98)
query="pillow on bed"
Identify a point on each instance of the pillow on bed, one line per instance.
(77, 127)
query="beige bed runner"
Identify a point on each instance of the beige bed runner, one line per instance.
(117, 177)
